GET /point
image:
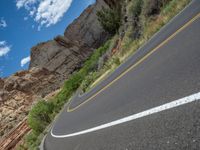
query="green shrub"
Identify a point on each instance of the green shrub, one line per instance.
(135, 8)
(153, 7)
(116, 61)
(97, 72)
(31, 141)
(110, 19)
(88, 81)
(40, 116)
(92, 63)
(73, 83)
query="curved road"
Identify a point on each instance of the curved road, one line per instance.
(151, 102)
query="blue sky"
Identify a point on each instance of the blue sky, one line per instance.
(24, 23)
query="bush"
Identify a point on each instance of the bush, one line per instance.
(110, 19)
(40, 116)
(92, 63)
(73, 83)
(116, 61)
(135, 8)
(31, 141)
(153, 7)
(88, 81)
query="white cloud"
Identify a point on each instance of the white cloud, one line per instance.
(25, 60)
(32, 12)
(45, 12)
(4, 48)
(25, 18)
(25, 3)
(2, 43)
(3, 23)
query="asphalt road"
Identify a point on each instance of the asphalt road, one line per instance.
(165, 69)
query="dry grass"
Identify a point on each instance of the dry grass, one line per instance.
(130, 46)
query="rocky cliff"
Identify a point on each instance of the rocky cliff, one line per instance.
(19, 91)
(64, 54)
(51, 64)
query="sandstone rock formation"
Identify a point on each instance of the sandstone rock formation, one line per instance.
(64, 54)
(19, 91)
(51, 63)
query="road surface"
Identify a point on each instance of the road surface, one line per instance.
(151, 102)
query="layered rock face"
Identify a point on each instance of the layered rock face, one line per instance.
(86, 29)
(59, 55)
(66, 53)
(51, 64)
(19, 91)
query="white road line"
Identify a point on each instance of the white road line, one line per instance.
(173, 104)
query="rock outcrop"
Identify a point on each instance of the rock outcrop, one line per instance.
(51, 64)
(19, 91)
(86, 28)
(64, 54)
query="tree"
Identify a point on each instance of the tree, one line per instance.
(110, 19)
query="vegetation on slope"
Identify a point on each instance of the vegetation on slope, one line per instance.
(110, 19)
(43, 113)
(148, 16)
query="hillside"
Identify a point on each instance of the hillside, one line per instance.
(52, 62)
(85, 54)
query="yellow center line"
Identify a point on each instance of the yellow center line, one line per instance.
(134, 65)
